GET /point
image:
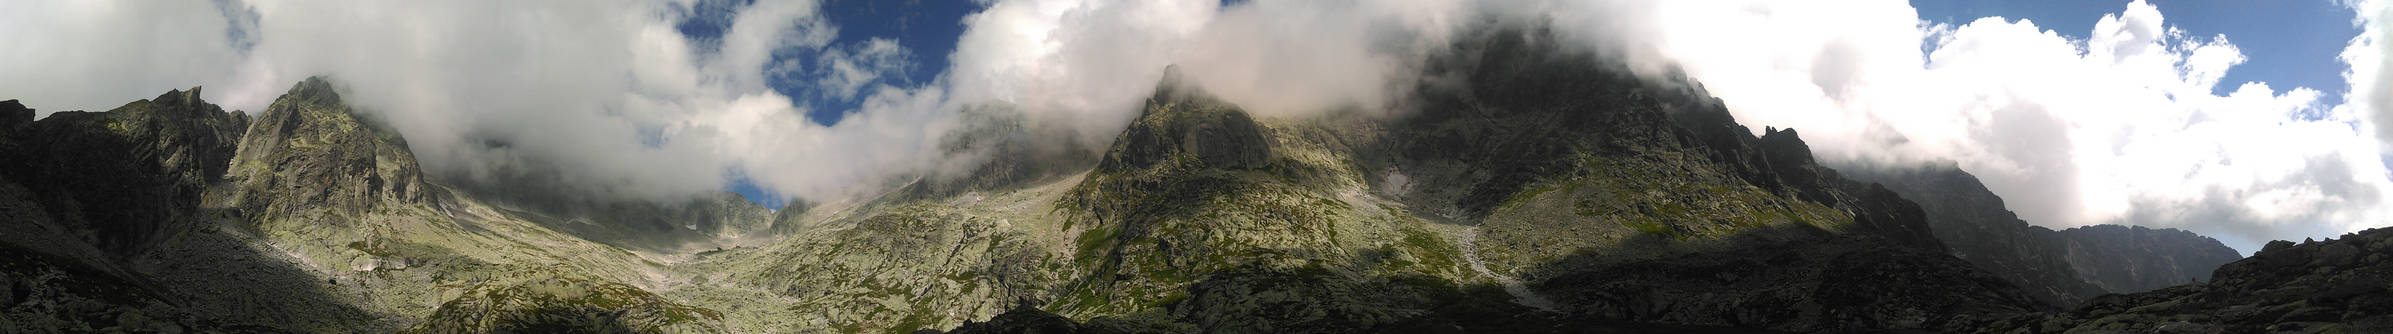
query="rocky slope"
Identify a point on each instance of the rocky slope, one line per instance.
(171, 214)
(2060, 268)
(84, 192)
(2332, 286)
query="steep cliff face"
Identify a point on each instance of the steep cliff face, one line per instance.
(107, 197)
(121, 178)
(2061, 268)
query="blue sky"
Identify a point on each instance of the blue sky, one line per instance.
(927, 29)
(2287, 43)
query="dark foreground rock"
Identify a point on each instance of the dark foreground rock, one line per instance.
(2332, 286)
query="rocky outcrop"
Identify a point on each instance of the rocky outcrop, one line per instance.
(311, 152)
(2331, 286)
(113, 208)
(14, 115)
(122, 177)
(1181, 124)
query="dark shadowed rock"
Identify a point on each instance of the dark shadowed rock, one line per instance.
(2332, 286)
(1973, 223)
(561, 304)
(1024, 318)
(2060, 268)
(2136, 259)
(111, 203)
(123, 176)
(14, 115)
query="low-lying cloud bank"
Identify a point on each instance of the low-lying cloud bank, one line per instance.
(608, 99)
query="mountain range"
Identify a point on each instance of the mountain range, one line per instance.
(1523, 187)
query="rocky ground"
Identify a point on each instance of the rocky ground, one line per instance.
(2331, 286)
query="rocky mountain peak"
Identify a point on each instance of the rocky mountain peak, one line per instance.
(1183, 124)
(14, 115)
(180, 98)
(309, 150)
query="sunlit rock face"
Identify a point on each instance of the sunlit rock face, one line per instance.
(310, 148)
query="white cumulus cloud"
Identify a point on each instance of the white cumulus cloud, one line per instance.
(2118, 127)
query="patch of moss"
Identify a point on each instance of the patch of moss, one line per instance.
(1652, 227)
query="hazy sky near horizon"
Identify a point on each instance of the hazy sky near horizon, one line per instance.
(2242, 120)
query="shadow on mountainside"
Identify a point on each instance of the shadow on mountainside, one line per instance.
(116, 234)
(1756, 283)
